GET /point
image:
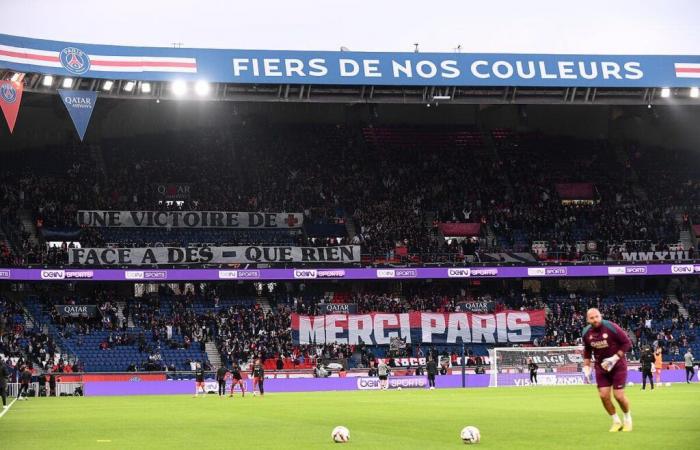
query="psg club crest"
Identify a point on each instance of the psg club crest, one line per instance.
(8, 92)
(75, 60)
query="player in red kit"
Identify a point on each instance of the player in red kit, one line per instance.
(237, 379)
(608, 343)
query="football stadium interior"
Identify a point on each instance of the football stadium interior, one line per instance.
(158, 231)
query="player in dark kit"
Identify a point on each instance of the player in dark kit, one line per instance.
(431, 368)
(24, 379)
(646, 359)
(199, 378)
(237, 379)
(532, 367)
(608, 343)
(258, 377)
(221, 379)
(4, 376)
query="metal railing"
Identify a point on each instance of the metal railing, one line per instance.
(61, 389)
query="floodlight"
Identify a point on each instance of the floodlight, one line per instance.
(179, 88)
(202, 88)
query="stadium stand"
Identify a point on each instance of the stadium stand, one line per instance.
(631, 198)
(427, 194)
(164, 331)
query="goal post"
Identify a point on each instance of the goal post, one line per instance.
(555, 366)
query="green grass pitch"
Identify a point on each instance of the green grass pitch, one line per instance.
(509, 418)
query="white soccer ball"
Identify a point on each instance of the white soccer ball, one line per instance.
(398, 388)
(630, 383)
(340, 435)
(470, 435)
(668, 384)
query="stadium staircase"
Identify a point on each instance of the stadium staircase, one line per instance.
(27, 222)
(350, 227)
(686, 236)
(264, 304)
(681, 308)
(686, 239)
(28, 320)
(5, 242)
(213, 354)
(120, 315)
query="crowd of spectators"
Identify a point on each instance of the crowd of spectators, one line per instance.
(28, 347)
(243, 331)
(392, 197)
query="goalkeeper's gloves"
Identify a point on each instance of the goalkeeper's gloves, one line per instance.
(609, 363)
(587, 373)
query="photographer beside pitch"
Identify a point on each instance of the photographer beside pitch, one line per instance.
(608, 343)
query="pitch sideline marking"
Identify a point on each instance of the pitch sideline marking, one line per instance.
(4, 410)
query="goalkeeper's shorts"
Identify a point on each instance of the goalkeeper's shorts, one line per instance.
(617, 377)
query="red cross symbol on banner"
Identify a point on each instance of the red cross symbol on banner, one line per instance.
(291, 220)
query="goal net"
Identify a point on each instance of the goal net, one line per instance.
(510, 366)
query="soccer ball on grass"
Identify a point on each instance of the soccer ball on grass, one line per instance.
(340, 435)
(470, 435)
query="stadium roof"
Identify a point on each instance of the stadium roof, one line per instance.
(350, 77)
(304, 93)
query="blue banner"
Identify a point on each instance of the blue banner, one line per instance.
(347, 68)
(80, 105)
